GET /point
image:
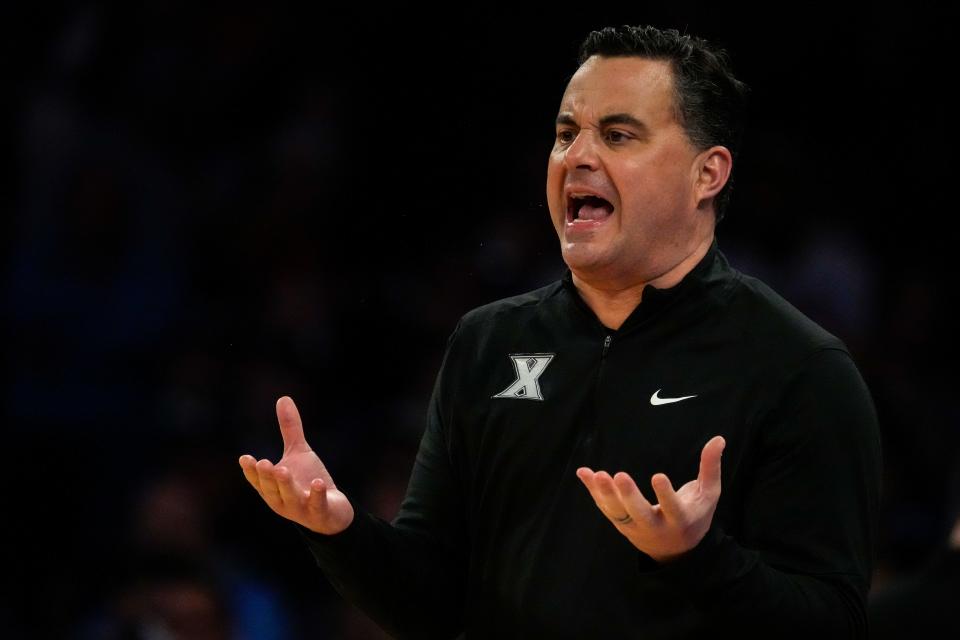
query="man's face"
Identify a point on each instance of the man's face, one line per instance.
(618, 138)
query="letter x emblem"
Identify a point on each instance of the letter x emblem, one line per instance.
(529, 366)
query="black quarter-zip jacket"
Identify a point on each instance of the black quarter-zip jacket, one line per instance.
(498, 538)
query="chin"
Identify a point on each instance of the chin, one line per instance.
(584, 259)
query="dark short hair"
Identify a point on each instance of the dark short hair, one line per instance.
(709, 101)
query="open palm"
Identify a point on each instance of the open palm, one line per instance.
(298, 487)
(666, 530)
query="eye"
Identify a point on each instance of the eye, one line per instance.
(565, 136)
(616, 136)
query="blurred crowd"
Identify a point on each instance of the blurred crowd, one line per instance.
(216, 206)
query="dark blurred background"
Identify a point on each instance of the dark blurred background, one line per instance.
(211, 205)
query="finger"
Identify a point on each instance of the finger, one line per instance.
(268, 484)
(288, 493)
(249, 466)
(631, 497)
(317, 502)
(610, 502)
(586, 476)
(666, 497)
(709, 476)
(589, 479)
(291, 427)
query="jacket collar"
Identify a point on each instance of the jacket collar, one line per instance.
(712, 267)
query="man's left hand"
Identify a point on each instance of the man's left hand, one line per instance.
(669, 529)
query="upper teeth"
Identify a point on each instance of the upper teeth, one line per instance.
(581, 195)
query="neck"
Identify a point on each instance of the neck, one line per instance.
(613, 303)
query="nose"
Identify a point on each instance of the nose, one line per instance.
(582, 152)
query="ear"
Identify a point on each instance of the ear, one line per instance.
(713, 170)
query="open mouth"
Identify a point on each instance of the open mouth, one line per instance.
(588, 207)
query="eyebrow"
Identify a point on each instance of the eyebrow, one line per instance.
(614, 118)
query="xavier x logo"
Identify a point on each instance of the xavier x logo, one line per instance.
(529, 366)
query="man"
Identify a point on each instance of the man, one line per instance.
(648, 360)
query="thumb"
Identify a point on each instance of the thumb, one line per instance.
(291, 427)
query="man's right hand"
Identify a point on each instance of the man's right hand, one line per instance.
(299, 487)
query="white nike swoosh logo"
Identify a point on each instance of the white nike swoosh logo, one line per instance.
(656, 400)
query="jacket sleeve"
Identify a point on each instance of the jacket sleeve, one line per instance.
(802, 562)
(409, 575)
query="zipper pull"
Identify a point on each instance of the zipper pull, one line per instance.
(606, 345)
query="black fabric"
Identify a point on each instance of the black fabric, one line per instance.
(921, 605)
(497, 536)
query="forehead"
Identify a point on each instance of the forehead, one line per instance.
(639, 86)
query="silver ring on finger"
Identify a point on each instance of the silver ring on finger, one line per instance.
(624, 520)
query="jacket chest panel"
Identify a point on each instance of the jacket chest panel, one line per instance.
(635, 408)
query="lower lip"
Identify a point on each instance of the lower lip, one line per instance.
(578, 227)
